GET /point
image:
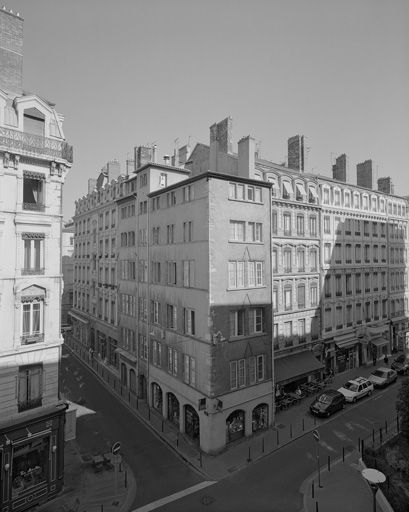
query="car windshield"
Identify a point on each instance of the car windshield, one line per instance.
(351, 386)
(379, 373)
(324, 399)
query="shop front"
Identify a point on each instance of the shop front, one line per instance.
(173, 409)
(235, 426)
(157, 397)
(32, 470)
(192, 423)
(347, 353)
(296, 369)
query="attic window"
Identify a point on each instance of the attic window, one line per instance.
(34, 122)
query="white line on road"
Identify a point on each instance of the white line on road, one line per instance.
(173, 497)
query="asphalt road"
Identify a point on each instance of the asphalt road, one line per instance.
(272, 484)
(159, 471)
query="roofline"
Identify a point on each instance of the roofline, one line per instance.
(162, 166)
(211, 175)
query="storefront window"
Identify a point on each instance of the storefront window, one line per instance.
(260, 417)
(235, 425)
(173, 409)
(30, 465)
(192, 425)
(157, 400)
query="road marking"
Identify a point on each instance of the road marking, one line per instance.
(326, 446)
(173, 497)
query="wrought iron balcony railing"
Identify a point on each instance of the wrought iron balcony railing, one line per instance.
(32, 271)
(34, 145)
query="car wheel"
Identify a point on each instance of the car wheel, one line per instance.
(370, 392)
(354, 400)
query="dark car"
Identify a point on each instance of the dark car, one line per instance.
(328, 402)
(401, 364)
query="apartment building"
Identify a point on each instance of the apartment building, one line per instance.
(67, 298)
(34, 160)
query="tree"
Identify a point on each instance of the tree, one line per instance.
(402, 407)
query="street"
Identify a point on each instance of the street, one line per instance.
(271, 484)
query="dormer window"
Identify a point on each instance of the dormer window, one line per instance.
(34, 122)
(33, 191)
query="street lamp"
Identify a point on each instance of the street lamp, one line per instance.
(374, 478)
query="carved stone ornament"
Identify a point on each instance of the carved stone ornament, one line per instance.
(53, 167)
(16, 161)
(6, 160)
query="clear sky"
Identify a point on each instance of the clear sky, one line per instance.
(130, 72)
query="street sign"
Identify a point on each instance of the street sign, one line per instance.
(316, 435)
(115, 448)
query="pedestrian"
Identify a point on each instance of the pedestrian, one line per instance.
(385, 359)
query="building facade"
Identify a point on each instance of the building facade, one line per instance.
(67, 271)
(34, 160)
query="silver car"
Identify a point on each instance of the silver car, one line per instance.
(382, 377)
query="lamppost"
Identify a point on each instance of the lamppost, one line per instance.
(374, 478)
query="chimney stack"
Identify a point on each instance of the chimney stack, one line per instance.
(364, 174)
(11, 52)
(246, 157)
(220, 141)
(385, 185)
(296, 153)
(143, 156)
(166, 159)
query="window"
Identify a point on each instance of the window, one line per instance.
(237, 231)
(301, 295)
(189, 369)
(325, 198)
(313, 226)
(275, 299)
(33, 188)
(255, 232)
(172, 361)
(170, 233)
(237, 323)
(300, 225)
(275, 261)
(260, 367)
(287, 260)
(358, 288)
(188, 231)
(358, 253)
(327, 225)
(338, 317)
(188, 193)
(30, 387)
(171, 272)
(348, 315)
(33, 253)
(288, 298)
(256, 320)
(314, 259)
(171, 316)
(348, 226)
(287, 224)
(348, 284)
(32, 329)
(188, 273)
(338, 253)
(288, 329)
(327, 286)
(314, 294)
(338, 285)
(337, 197)
(347, 199)
(366, 227)
(189, 321)
(327, 253)
(274, 222)
(301, 330)
(301, 260)
(328, 319)
(357, 227)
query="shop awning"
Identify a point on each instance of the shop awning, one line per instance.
(300, 188)
(126, 355)
(77, 317)
(295, 365)
(288, 188)
(345, 341)
(377, 331)
(379, 342)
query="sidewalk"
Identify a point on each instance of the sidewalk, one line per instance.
(87, 491)
(343, 488)
(290, 424)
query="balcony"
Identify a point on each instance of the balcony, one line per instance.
(35, 207)
(34, 145)
(30, 339)
(32, 271)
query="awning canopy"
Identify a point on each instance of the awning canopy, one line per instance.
(300, 188)
(77, 317)
(379, 342)
(296, 365)
(376, 331)
(287, 187)
(345, 341)
(126, 355)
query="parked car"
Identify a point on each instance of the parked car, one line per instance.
(382, 377)
(401, 364)
(356, 388)
(328, 402)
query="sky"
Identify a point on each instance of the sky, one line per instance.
(131, 72)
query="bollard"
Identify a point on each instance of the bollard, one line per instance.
(262, 445)
(343, 454)
(397, 423)
(102, 508)
(129, 397)
(362, 447)
(373, 437)
(137, 403)
(359, 444)
(126, 479)
(149, 413)
(316, 506)
(386, 426)
(278, 437)
(200, 459)
(303, 425)
(312, 489)
(380, 435)
(249, 457)
(291, 430)
(177, 439)
(162, 426)
(329, 463)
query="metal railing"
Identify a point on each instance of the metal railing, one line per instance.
(34, 145)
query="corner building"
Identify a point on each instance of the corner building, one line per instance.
(34, 160)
